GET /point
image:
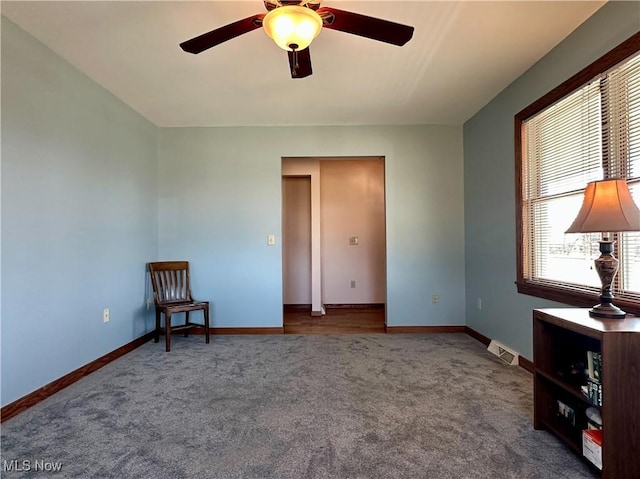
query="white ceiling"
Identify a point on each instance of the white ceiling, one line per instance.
(461, 56)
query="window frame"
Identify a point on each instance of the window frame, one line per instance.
(563, 292)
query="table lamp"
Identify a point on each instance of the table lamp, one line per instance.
(607, 208)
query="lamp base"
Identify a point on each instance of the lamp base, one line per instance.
(607, 267)
(607, 310)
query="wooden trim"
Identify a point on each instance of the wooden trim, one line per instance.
(574, 297)
(31, 399)
(296, 308)
(525, 364)
(424, 329)
(519, 187)
(477, 336)
(610, 59)
(355, 306)
(225, 331)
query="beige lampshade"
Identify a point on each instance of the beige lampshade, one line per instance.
(607, 207)
(292, 27)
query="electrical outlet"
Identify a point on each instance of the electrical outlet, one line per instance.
(148, 303)
(271, 240)
(105, 315)
(435, 299)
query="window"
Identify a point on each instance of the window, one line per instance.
(586, 129)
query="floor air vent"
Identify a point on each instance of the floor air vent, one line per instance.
(507, 355)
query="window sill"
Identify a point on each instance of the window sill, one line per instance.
(573, 298)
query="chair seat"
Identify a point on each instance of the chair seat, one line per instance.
(187, 306)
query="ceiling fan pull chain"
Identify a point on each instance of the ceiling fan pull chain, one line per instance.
(295, 62)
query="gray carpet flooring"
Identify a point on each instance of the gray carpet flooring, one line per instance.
(372, 406)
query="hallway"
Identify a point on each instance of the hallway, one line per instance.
(338, 320)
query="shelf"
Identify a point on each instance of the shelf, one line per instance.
(565, 386)
(565, 434)
(561, 340)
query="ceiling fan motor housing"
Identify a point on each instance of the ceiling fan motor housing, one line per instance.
(292, 27)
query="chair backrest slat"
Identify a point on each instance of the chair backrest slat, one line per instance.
(170, 281)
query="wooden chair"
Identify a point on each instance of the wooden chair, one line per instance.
(172, 294)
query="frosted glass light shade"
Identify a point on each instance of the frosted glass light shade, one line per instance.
(607, 207)
(292, 27)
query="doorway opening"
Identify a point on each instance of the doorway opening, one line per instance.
(334, 243)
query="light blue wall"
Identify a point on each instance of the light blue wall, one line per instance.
(489, 178)
(79, 217)
(220, 196)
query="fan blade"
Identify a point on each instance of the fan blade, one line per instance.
(222, 34)
(300, 63)
(369, 27)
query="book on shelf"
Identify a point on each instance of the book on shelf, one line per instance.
(594, 365)
(593, 388)
(567, 413)
(594, 418)
(593, 392)
(592, 446)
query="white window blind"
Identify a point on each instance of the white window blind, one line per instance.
(590, 134)
(623, 145)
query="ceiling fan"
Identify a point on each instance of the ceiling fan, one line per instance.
(293, 24)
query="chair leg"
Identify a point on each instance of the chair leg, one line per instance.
(167, 329)
(206, 323)
(156, 336)
(186, 323)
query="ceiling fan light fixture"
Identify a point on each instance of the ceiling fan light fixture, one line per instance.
(292, 27)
